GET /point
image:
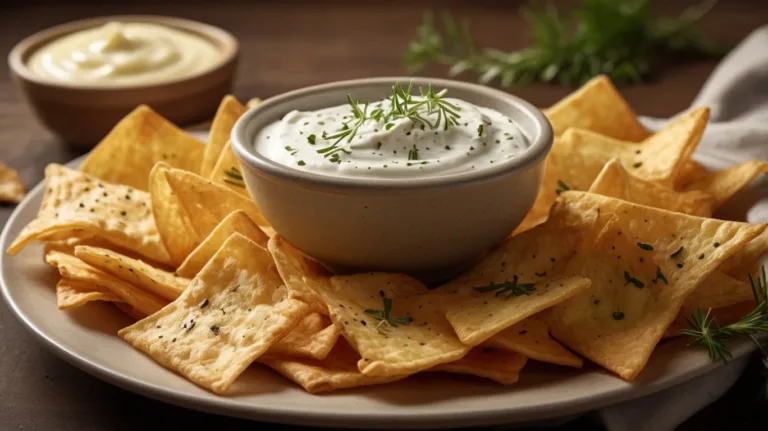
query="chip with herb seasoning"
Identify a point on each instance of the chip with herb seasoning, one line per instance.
(78, 205)
(173, 224)
(636, 294)
(724, 184)
(142, 138)
(497, 364)
(11, 185)
(73, 268)
(313, 337)
(717, 291)
(597, 106)
(337, 371)
(391, 323)
(747, 260)
(233, 311)
(614, 181)
(531, 338)
(230, 109)
(71, 294)
(140, 274)
(304, 277)
(228, 173)
(238, 222)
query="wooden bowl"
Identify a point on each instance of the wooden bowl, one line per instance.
(83, 114)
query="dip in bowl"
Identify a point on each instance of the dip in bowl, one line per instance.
(413, 175)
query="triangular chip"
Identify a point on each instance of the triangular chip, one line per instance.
(337, 371)
(153, 280)
(717, 291)
(726, 183)
(228, 173)
(230, 314)
(690, 172)
(313, 337)
(173, 224)
(77, 205)
(614, 181)
(644, 264)
(748, 259)
(229, 111)
(238, 222)
(73, 268)
(515, 281)
(597, 106)
(141, 139)
(72, 294)
(391, 324)
(531, 338)
(207, 204)
(304, 277)
(499, 365)
(11, 186)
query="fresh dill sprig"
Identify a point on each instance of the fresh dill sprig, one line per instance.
(234, 176)
(618, 38)
(385, 317)
(510, 288)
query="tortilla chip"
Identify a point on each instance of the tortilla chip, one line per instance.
(231, 313)
(597, 106)
(238, 222)
(726, 183)
(304, 277)
(153, 280)
(748, 259)
(690, 172)
(77, 205)
(11, 185)
(531, 338)
(313, 337)
(72, 294)
(337, 371)
(73, 268)
(253, 102)
(717, 291)
(173, 224)
(620, 319)
(228, 173)
(141, 139)
(229, 111)
(387, 319)
(499, 365)
(614, 181)
(477, 304)
(207, 204)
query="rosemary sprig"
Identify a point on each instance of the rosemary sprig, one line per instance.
(234, 176)
(510, 288)
(385, 317)
(618, 38)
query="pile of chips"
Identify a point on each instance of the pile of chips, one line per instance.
(619, 247)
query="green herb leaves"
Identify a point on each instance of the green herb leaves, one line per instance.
(413, 153)
(644, 246)
(632, 280)
(234, 176)
(660, 276)
(385, 318)
(508, 288)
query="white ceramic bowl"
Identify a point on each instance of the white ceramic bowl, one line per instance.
(418, 226)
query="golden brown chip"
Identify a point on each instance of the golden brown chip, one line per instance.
(72, 294)
(238, 222)
(499, 365)
(304, 277)
(229, 111)
(77, 205)
(153, 280)
(313, 337)
(11, 185)
(614, 181)
(726, 183)
(253, 102)
(643, 266)
(387, 319)
(690, 172)
(337, 371)
(597, 106)
(515, 281)
(231, 313)
(531, 338)
(173, 224)
(228, 173)
(207, 203)
(717, 291)
(73, 268)
(747, 259)
(141, 139)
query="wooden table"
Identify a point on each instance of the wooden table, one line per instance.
(286, 45)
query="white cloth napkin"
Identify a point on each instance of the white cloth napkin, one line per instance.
(737, 94)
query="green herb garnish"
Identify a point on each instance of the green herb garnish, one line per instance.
(618, 315)
(510, 288)
(660, 276)
(480, 130)
(234, 177)
(385, 317)
(619, 38)
(562, 187)
(632, 280)
(677, 253)
(291, 150)
(645, 246)
(413, 153)
(311, 139)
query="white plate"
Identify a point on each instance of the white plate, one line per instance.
(86, 338)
